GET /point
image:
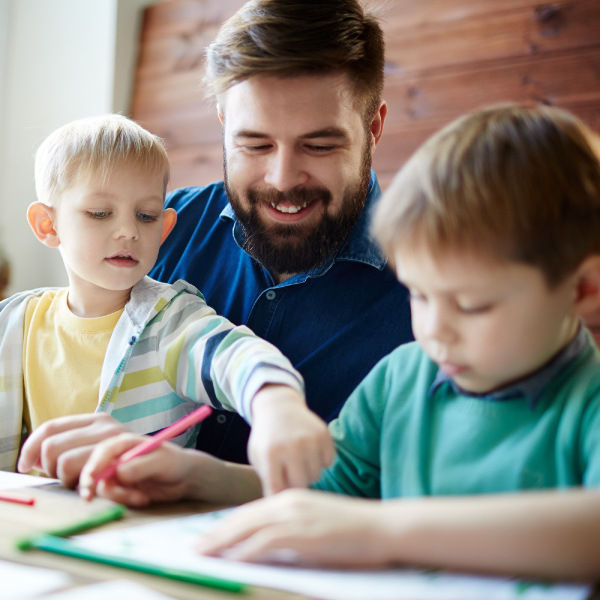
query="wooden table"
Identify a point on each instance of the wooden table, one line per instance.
(57, 506)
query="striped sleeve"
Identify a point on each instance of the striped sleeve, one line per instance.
(209, 360)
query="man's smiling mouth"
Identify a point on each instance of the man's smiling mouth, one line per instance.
(290, 208)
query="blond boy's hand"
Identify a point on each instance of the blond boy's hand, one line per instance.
(61, 446)
(289, 445)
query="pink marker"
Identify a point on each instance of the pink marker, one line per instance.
(156, 440)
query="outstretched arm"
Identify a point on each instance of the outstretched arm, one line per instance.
(547, 534)
(212, 360)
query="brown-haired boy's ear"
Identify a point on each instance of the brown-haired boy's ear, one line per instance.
(41, 220)
(169, 218)
(587, 300)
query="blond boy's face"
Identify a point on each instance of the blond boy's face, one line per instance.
(110, 233)
(485, 322)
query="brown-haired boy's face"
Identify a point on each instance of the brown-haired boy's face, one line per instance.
(486, 322)
(297, 166)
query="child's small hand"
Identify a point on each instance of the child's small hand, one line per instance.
(160, 476)
(289, 445)
(305, 527)
(61, 446)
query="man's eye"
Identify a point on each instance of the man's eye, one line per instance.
(98, 214)
(259, 148)
(320, 149)
(146, 218)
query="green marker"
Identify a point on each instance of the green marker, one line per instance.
(67, 548)
(95, 520)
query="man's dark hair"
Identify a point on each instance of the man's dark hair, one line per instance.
(289, 38)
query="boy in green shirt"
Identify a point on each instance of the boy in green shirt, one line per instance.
(494, 226)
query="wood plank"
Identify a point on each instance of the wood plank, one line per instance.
(193, 124)
(177, 17)
(174, 90)
(558, 80)
(496, 37)
(199, 164)
(412, 14)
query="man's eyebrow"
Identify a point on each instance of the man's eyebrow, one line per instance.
(327, 132)
(248, 133)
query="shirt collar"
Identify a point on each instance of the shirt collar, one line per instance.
(359, 247)
(530, 387)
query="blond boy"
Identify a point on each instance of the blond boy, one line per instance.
(118, 343)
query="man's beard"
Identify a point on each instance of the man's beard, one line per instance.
(289, 248)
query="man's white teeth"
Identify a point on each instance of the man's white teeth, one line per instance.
(289, 209)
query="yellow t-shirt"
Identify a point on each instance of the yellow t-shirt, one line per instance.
(62, 358)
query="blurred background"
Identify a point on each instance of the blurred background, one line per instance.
(65, 59)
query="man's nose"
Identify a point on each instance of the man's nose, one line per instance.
(285, 170)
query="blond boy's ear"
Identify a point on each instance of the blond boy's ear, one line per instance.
(41, 220)
(587, 300)
(169, 218)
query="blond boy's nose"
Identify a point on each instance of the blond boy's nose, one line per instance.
(127, 230)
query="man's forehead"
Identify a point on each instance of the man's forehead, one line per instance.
(311, 105)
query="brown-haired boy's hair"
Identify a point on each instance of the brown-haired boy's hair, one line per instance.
(517, 183)
(302, 37)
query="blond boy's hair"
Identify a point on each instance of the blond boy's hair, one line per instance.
(305, 37)
(509, 182)
(93, 147)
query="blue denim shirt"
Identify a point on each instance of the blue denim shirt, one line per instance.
(333, 322)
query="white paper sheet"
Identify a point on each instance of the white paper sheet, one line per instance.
(118, 589)
(11, 481)
(170, 544)
(19, 582)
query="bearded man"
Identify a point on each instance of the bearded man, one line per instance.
(282, 245)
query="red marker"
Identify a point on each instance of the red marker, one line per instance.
(17, 499)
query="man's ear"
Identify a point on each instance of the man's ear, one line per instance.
(587, 299)
(169, 218)
(376, 126)
(41, 220)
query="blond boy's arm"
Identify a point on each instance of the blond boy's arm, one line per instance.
(547, 534)
(206, 358)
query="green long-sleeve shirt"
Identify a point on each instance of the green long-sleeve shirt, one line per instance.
(397, 436)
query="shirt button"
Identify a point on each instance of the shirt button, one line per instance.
(221, 419)
(270, 295)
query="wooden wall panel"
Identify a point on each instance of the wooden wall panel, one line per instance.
(444, 57)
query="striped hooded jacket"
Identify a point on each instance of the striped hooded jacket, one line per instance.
(166, 332)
